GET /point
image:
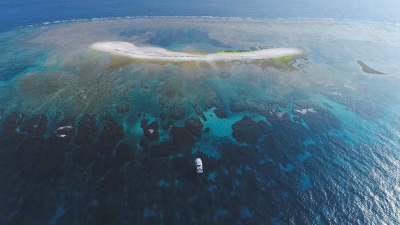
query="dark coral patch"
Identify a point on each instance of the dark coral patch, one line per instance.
(111, 182)
(153, 125)
(178, 113)
(123, 108)
(151, 132)
(182, 168)
(86, 154)
(198, 110)
(87, 130)
(182, 137)
(143, 143)
(110, 136)
(316, 117)
(221, 113)
(166, 126)
(27, 151)
(163, 149)
(249, 131)
(163, 116)
(123, 153)
(143, 123)
(36, 125)
(238, 155)
(9, 139)
(195, 126)
(261, 110)
(144, 86)
(209, 103)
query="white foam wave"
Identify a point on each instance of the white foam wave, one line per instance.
(65, 128)
(279, 19)
(305, 111)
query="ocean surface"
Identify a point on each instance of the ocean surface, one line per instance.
(14, 13)
(87, 137)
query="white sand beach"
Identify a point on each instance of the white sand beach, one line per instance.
(155, 53)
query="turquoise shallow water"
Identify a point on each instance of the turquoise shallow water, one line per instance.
(90, 138)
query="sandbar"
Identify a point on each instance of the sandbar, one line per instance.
(156, 53)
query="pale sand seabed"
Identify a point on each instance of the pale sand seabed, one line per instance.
(155, 53)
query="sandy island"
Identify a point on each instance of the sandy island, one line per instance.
(155, 53)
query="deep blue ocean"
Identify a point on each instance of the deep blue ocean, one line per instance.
(91, 137)
(14, 13)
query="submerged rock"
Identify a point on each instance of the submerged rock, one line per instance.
(368, 69)
(195, 126)
(221, 113)
(249, 131)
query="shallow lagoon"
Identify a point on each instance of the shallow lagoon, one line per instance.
(316, 143)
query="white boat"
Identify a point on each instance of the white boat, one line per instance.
(199, 165)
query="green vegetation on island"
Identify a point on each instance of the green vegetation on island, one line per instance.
(96, 53)
(283, 64)
(233, 51)
(284, 59)
(252, 49)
